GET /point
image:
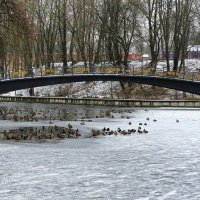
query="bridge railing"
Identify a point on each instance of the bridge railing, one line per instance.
(40, 72)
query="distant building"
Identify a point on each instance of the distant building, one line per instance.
(145, 56)
(135, 56)
(193, 52)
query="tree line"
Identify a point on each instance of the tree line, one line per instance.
(41, 32)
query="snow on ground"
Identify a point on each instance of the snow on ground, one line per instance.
(98, 89)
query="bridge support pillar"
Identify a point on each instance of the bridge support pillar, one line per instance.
(31, 92)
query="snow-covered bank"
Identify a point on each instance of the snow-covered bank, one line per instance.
(96, 89)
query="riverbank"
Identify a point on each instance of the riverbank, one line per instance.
(104, 102)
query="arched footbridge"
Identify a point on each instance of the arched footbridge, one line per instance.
(181, 84)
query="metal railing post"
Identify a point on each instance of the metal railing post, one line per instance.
(9, 74)
(63, 70)
(163, 72)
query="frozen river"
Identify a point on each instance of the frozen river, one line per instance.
(163, 164)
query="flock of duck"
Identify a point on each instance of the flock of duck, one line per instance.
(55, 132)
(41, 133)
(107, 131)
(40, 114)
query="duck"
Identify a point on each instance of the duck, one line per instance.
(140, 131)
(70, 126)
(50, 122)
(104, 129)
(119, 130)
(145, 131)
(95, 132)
(133, 130)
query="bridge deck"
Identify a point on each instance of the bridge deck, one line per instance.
(178, 83)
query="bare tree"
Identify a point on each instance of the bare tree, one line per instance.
(150, 9)
(118, 21)
(166, 17)
(62, 14)
(14, 28)
(86, 32)
(47, 29)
